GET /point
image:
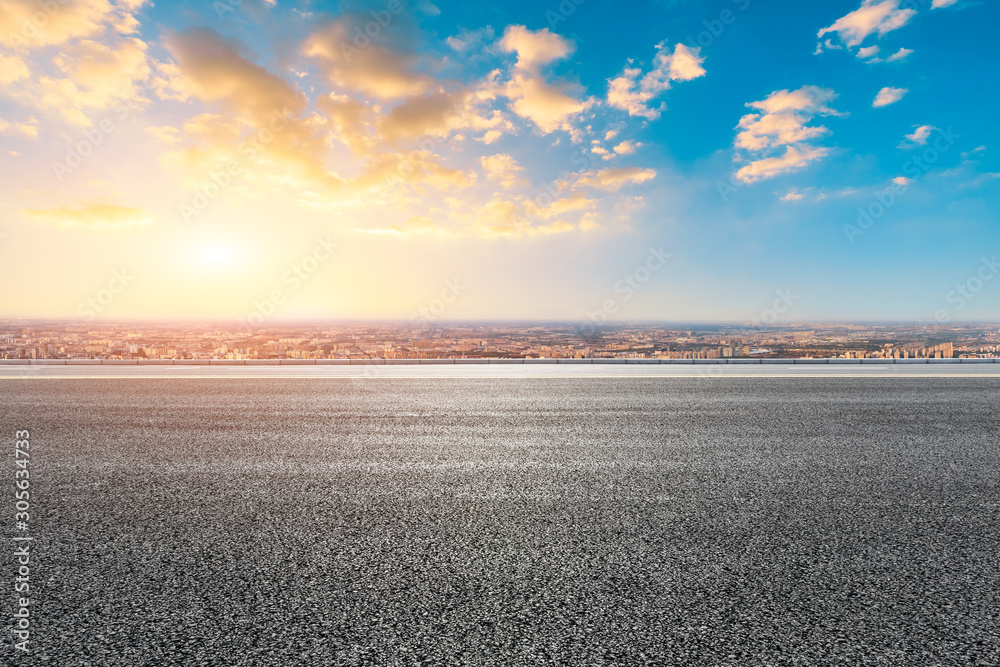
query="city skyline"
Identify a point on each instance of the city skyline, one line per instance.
(716, 161)
(346, 342)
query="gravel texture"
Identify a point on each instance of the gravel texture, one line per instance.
(617, 521)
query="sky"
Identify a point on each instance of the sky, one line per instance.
(580, 160)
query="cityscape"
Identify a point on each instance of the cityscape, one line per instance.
(25, 339)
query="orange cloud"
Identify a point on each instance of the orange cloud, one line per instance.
(368, 68)
(94, 215)
(612, 180)
(532, 97)
(213, 70)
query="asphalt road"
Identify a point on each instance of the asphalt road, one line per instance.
(509, 520)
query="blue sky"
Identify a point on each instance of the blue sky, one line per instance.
(535, 152)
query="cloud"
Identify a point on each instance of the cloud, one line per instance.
(627, 147)
(632, 91)
(83, 55)
(918, 137)
(968, 155)
(762, 131)
(29, 24)
(466, 40)
(213, 69)
(940, 4)
(415, 168)
(873, 17)
(612, 180)
(793, 195)
(794, 158)
(95, 215)
(869, 53)
(574, 203)
(96, 76)
(349, 120)
(441, 113)
(903, 181)
(546, 105)
(503, 169)
(28, 129)
(12, 68)
(419, 116)
(376, 70)
(983, 179)
(888, 96)
(535, 48)
(782, 120)
(288, 146)
(417, 224)
(501, 218)
(428, 8)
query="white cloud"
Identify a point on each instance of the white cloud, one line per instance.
(919, 136)
(631, 93)
(783, 121)
(31, 24)
(467, 39)
(627, 147)
(784, 118)
(548, 106)
(29, 129)
(793, 195)
(868, 55)
(793, 159)
(535, 48)
(611, 180)
(878, 17)
(12, 68)
(888, 96)
(903, 181)
(428, 8)
(939, 4)
(378, 70)
(93, 215)
(503, 169)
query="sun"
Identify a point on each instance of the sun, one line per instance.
(215, 256)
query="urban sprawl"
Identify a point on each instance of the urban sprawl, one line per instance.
(23, 339)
